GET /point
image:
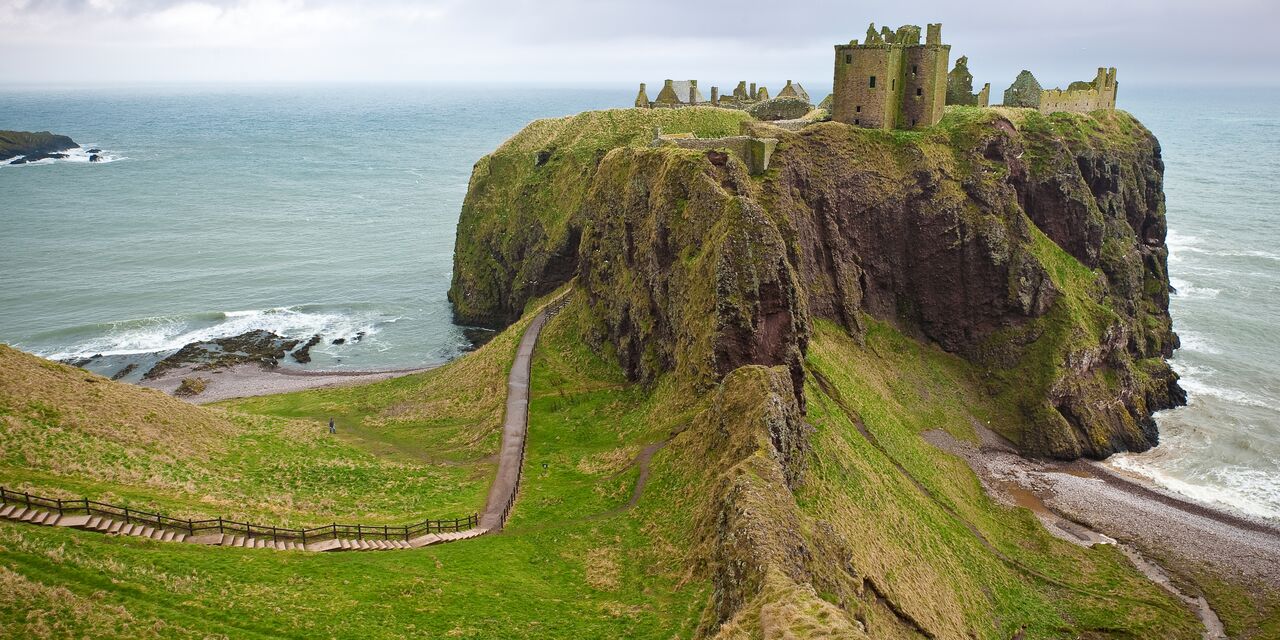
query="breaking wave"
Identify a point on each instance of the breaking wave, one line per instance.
(78, 155)
(159, 334)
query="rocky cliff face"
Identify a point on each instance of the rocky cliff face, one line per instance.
(1032, 246)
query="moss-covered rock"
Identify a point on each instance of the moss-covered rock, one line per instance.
(32, 146)
(1032, 246)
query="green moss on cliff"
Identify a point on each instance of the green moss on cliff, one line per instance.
(517, 233)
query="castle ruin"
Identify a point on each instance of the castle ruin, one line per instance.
(960, 87)
(685, 93)
(891, 80)
(1083, 96)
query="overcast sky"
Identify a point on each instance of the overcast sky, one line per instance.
(563, 41)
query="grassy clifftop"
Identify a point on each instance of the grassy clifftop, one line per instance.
(521, 219)
(1032, 246)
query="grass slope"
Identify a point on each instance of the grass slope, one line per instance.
(942, 550)
(572, 565)
(70, 433)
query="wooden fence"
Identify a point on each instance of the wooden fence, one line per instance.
(85, 506)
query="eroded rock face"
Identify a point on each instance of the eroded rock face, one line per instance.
(963, 236)
(758, 559)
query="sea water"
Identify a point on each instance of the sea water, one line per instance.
(332, 210)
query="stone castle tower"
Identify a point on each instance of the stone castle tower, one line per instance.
(891, 80)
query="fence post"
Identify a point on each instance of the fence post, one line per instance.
(126, 516)
(191, 527)
(220, 525)
(26, 499)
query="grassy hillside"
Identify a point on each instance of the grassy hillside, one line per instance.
(70, 433)
(577, 562)
(574, 563)
(929, 535)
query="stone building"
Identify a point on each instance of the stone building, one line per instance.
(685, 93)
(960, 86)
(1024, 92)
(794, 91)
(1083, 96)
(892, 80)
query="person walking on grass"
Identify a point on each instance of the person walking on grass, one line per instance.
(332, 429)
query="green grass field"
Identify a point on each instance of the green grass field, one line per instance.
(575, 561)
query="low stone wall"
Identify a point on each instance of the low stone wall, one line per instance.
(753, 152)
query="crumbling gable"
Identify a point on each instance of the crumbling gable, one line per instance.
(960, 86)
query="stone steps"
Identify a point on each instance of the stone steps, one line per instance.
(113, 527)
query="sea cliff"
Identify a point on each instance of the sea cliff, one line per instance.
(1030, 245)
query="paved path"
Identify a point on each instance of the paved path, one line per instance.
(515, 426)
(502, 493)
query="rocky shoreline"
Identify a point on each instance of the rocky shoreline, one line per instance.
(1172, 539)
(249, 364)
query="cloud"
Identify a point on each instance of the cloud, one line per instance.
(610, 40)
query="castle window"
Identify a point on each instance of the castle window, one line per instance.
(919, 91)
(893, 84)
(855, 121)
(915, 69)
(873, 82)
(848, 58)
(857, 109)
(913, 122)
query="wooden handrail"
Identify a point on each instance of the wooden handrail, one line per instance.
(221, 525)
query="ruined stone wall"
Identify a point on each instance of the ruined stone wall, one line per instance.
(1099, 95)
(754, 152)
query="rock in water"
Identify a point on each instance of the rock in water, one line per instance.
(1024, 92)
(95, 158)
(258, 347)
(303, 354)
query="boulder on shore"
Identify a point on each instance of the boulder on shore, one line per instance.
(254, 347)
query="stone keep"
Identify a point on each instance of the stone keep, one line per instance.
(891, 81)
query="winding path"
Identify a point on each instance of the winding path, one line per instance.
(502, 493)
(515, 426)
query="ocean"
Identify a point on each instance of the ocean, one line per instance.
(310, 210)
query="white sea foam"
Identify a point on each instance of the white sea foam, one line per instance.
(167, 333)
(1196, 386)
(78, 155)
(1192, 341)
(1251, 491)
(1187, 290)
